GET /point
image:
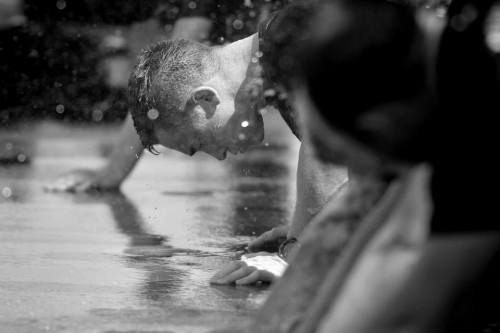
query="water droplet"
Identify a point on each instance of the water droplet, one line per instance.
(60, 108)
(470, 13)
(153, 114)
(283, 96)
(457, 23)
(242, 136)
(172, 13)
(97, 115)
(255, 60)
(9, 146)
(269, 92)
(33, 54)
(238, 24)
(441, 12)
(245, 124)
(61, 4)
(115, 41)
(168, 27)
(259, 54)
(21, 158)
(462, 21)
(192, 5)
(6, 192)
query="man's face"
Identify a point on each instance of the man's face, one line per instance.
(209, 123)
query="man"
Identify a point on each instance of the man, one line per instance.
(190, 97)
(214, 21)
(314, 182)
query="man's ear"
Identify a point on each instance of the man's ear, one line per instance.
(207, 98)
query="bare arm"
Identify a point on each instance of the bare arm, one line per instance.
(316, 181)
(126, 151)
(316, 184)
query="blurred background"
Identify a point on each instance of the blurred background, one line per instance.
(70, 60)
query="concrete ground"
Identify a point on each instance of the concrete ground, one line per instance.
(138, 260)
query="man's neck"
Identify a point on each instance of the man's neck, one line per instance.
(235, 58)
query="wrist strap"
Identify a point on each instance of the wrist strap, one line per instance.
(282, 252)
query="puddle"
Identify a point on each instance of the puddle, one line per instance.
(139, 260)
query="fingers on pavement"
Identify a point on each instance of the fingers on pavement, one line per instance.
(260, 241)
(249, 279)
(228, 269)
(235, 275)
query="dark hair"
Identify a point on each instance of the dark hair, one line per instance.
(163, 79)
(370, 68)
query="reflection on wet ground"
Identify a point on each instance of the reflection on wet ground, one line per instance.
(139, 260)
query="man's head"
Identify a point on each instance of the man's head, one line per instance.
(180, 98)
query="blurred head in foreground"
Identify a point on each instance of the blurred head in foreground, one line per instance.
(364, 86)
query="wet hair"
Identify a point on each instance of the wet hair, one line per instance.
(367, 76)
(162, 80)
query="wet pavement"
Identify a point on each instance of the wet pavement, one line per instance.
(139, 260)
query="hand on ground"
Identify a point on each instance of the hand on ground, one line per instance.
(82, 181)
(270, 240)
(252, 268)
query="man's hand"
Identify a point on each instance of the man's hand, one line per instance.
(83, 181)
(252, 268)
(270, 240)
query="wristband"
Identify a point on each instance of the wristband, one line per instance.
(282, 251)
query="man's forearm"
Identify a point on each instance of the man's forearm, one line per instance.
(316, 184)
(126, 151)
